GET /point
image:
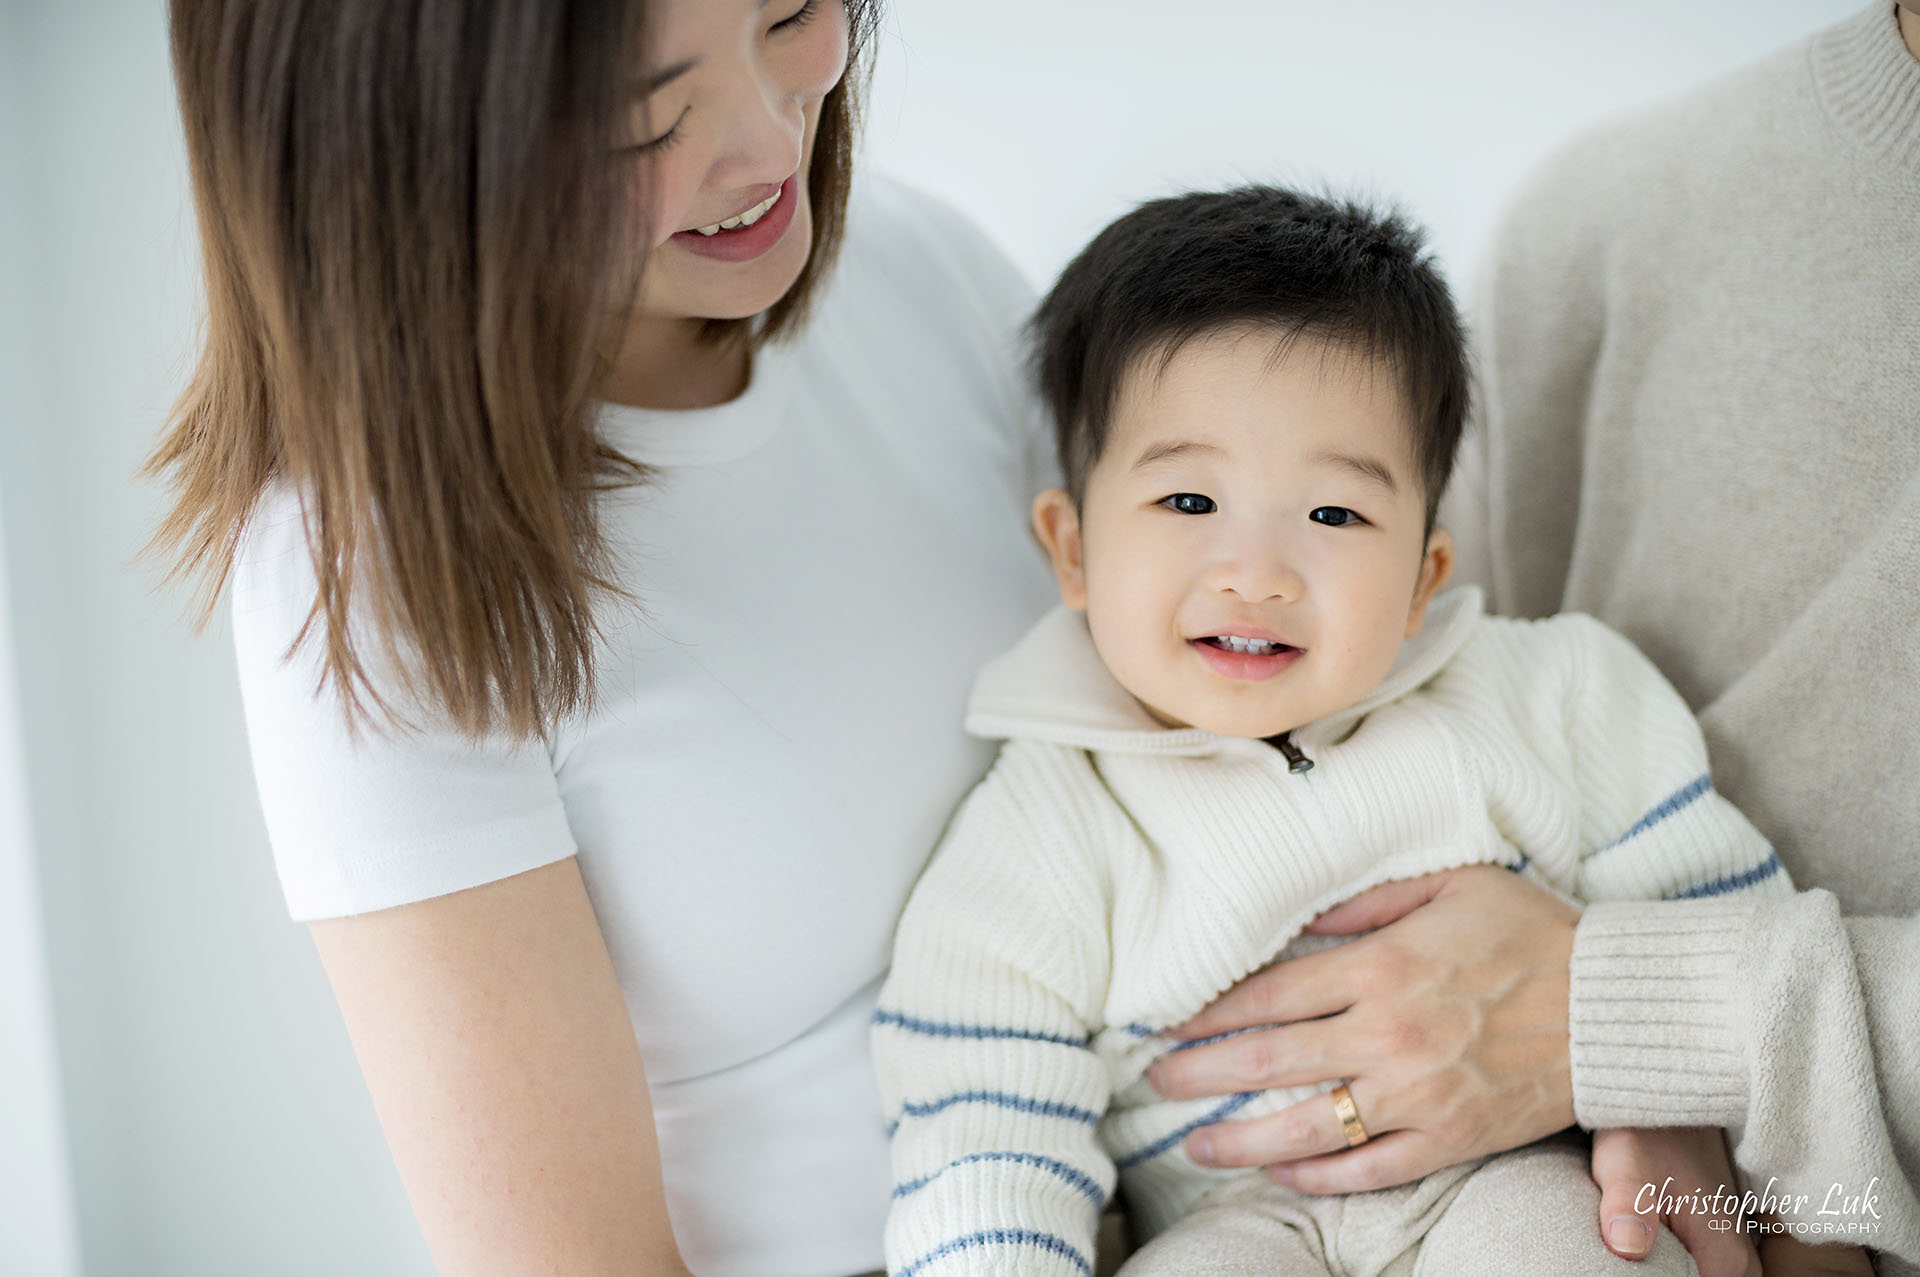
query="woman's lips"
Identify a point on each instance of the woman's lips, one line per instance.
(745, 243)
(1244, 665)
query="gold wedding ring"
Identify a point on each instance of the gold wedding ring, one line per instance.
(1349, 1115)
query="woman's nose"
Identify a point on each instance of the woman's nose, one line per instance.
(767, 124)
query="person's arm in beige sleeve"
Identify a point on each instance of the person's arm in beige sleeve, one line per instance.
(1796, 1028)
(1791, 1026)
(504, 1068)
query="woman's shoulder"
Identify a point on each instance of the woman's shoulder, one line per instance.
(272, 560)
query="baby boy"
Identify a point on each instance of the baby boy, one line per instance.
(1254, 702)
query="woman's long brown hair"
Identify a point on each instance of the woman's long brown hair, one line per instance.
(412, 238)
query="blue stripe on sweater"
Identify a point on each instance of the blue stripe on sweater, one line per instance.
(1000, 1237)
(1001, 1099)
(1165, 1142)
(1732, 882)
(939, 1029)
(1679, 800)
(1072, 1174)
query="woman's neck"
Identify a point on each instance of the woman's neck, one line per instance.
(669, 364)
(1910, 29)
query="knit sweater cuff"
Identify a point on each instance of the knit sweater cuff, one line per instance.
(1658, 1034)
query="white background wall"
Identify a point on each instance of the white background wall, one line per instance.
(214, 1121)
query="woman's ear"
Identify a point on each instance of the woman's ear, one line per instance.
(1056, 523)
(1435, 568)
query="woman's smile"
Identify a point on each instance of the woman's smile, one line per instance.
(751, 233)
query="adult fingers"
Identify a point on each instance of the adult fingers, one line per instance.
(1377, 906)
(1287, 1055)
(1307, 1129)
(1302, 988)
(1394, 1158)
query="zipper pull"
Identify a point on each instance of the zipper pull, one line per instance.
(1297, 763)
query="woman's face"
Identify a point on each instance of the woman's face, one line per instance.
(722, 127)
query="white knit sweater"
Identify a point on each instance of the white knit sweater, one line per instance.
(1111, 876)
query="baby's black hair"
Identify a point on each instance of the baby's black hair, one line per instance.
(1258, 257)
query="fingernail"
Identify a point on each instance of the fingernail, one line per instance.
(1200, 1148)
(1629, 1235)
(1281, 1174)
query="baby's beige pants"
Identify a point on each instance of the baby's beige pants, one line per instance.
(1531, 1211)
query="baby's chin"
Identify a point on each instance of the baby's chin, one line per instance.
(1247, 723)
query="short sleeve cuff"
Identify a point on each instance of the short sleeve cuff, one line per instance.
(1658, 1037)
(321, 886)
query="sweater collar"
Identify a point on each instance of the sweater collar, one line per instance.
(1870, 85)
(1053, 688)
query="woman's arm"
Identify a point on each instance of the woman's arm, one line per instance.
(504, 1068)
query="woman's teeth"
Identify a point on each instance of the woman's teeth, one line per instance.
(747, 218)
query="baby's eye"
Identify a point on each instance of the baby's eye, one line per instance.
(1334, 516)
(1189, 503)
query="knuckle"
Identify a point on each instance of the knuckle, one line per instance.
(1454, 1131)
(1260, 992)
(1369, 1176)
(1302, 1132)
(1383, 970)
(1399, 1035)
(1253, 1056)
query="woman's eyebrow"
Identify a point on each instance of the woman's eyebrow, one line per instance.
(661, 79)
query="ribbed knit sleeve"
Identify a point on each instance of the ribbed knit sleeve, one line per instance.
(982, 1030)
(1655, 833)
(1652, 825)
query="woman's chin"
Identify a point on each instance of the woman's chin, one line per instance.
(741, 290)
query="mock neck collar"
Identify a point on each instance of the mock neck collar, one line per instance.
(1869, 85)
(1052, 687)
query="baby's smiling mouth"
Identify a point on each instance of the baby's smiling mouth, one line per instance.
(1244, 646)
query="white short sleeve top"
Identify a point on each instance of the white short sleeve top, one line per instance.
(823, 564)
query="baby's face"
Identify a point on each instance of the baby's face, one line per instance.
(1250, 550)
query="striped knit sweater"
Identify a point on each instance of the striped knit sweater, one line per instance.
(1111, 876)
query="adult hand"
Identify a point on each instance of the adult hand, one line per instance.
(1648, 1177)
(1450, 1020)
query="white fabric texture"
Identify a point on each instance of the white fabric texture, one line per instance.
(1699, 424)
(822, 563)
(1111, 876)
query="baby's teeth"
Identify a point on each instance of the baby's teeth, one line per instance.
(708, 230)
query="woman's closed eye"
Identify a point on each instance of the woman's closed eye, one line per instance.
(1335, 516)
(1189, 503)
(660, 143)
(792, 22)
(799, 18)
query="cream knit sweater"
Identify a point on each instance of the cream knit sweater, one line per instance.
(1701, 335)
(1111, 876)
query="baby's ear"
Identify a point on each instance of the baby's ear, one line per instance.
(1056, 524)
(1435, 567)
